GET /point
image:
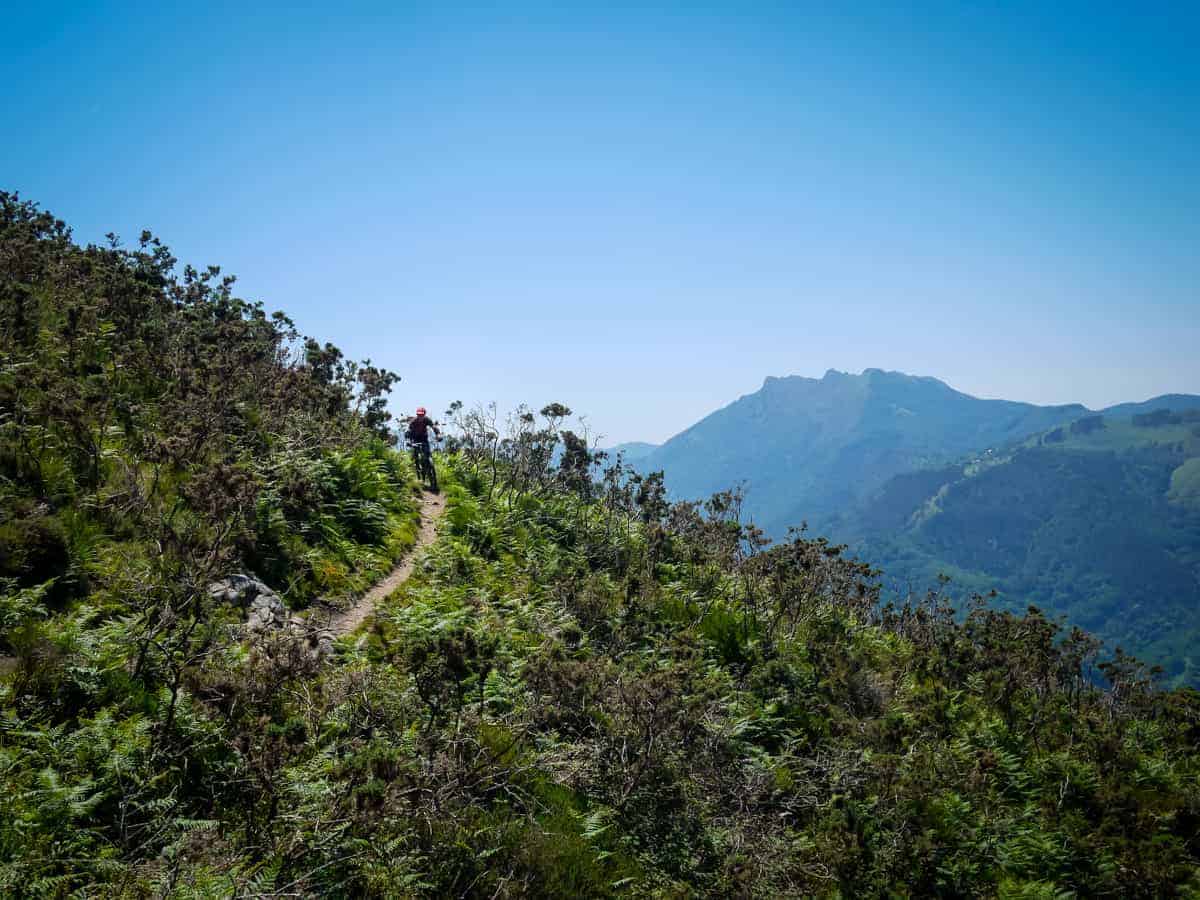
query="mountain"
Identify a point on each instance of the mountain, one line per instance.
(808, 449)
(1174, 402)
(632, 451)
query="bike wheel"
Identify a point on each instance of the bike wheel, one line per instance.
(430, 471)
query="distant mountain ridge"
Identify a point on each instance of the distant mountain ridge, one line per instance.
(806, 447)
(632, 451)
(1164, 401)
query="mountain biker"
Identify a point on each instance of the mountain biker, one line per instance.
(418, 428)
(417, 436)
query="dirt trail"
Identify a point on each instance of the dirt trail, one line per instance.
(344, 622)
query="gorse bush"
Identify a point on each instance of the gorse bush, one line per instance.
(584, 690)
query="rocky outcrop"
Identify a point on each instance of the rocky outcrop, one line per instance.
(240, 590)
(268, 619)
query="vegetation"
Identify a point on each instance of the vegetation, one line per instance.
(156, 434)
(585, 690)
(1185, 484)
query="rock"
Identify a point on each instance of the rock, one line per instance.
(239, 589)
(320, 644)
(267, 612)
(268, 619)
(264, 610)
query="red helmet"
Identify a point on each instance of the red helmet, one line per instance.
(420, 410)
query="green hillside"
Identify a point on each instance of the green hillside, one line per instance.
(1185, 484)
(1096, 521)
(583, 689)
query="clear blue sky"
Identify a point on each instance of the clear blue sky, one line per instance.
(642, 211)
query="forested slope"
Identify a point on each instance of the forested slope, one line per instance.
(584, 690)
(1097, 522)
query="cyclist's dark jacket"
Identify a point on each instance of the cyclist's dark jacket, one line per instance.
(418, 429)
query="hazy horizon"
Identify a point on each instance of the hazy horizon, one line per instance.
(733, 399)
(643, 213)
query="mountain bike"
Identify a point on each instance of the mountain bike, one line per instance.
(423, 463)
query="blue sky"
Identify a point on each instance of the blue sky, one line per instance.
(642, 210)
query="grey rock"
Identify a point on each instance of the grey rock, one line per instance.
(239, 589)
(319, 643)
(267, 612)
(268, 619)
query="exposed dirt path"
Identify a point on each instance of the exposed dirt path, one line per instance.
(344, 622)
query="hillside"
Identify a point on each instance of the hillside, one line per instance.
(807, 449)
(1098, 522)
(576, 689)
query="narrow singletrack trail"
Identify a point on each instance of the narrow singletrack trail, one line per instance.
(347, 620)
